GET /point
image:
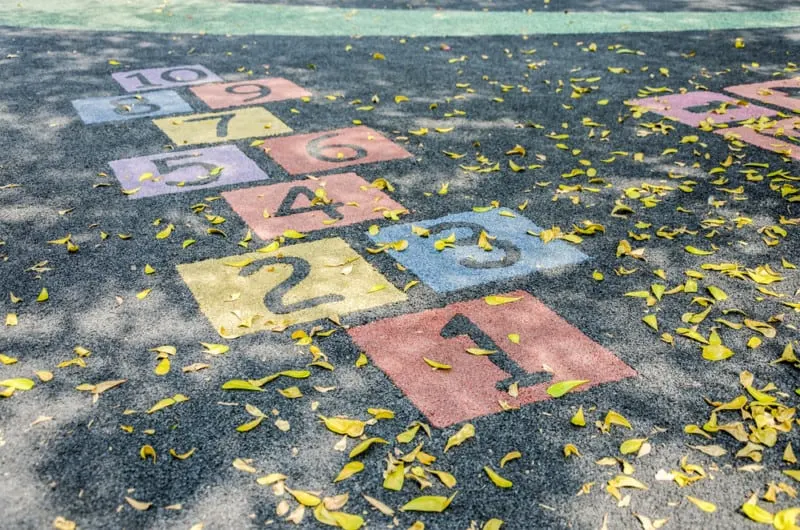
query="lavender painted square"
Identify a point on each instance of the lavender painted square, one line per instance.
(167, 77)
(183, 171)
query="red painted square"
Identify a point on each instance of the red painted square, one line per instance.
(689, 108)
(767, 139)
(325, 150)
(289, 205)
(469, 389)
(248, 92)
(770, 92)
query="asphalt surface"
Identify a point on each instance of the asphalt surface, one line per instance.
(81, 464)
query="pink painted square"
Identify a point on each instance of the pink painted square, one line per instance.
(549, 350)
(769, 92)
(678, 106)
(248, 92)
(270, 210)
(326, 150)
(766, 138)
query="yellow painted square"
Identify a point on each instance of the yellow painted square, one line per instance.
(216, 127)
(234, 292)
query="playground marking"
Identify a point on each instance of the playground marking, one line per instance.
(168, 77)
(121, 108)
(299, 283)
(770, 92)
(326, 150)
(514, 252)
(249, 92)
(680, 107)
(182, 171)
(549, 350)
(308, 205)
(216, 127)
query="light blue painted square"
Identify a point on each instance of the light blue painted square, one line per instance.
(119, 108)
(515, 253)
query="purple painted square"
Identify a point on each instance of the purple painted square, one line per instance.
(183, 171)
(167, 77)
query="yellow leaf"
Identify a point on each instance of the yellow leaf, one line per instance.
(143, 294)
(493, 524)
(514, 338)
(513, 455)
(11, 319)
(240, 384)
(291, 392)
(250, 425)
(44, 376)
(498, 481)
(165, 233)
(466, 432)
(378, 505)
(578, 419)
(571, 449)
(293, 234)
(431, 503)
(651, 321)
(350, 427)
(43, 295)
(436, 365)
(146, 452)
(366, 444)
(559, 389)
(5, 359)
(395, 477)
(182, 456)
(615, 418)
(305, 498)
(446, 478)
(214, 349)
(757, 513)
(362, 360)
(631, 446)
(499, 300)
(244, 465)
(162, 368)
(167, 402)
(138, 505)
(698, 251)
(480, 351)
(350, 469)
(703, 505)
(347, 521)
(19, 383)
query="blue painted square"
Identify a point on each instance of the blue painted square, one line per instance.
(119, 108)
(515, 253)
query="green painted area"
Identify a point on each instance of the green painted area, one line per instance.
(227, 17)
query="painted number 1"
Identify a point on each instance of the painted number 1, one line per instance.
(462, 325)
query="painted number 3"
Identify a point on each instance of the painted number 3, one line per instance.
(512, 252)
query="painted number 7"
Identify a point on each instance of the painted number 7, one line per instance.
(462, 325)
(216, 127)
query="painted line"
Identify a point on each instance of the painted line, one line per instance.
(221, 17)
